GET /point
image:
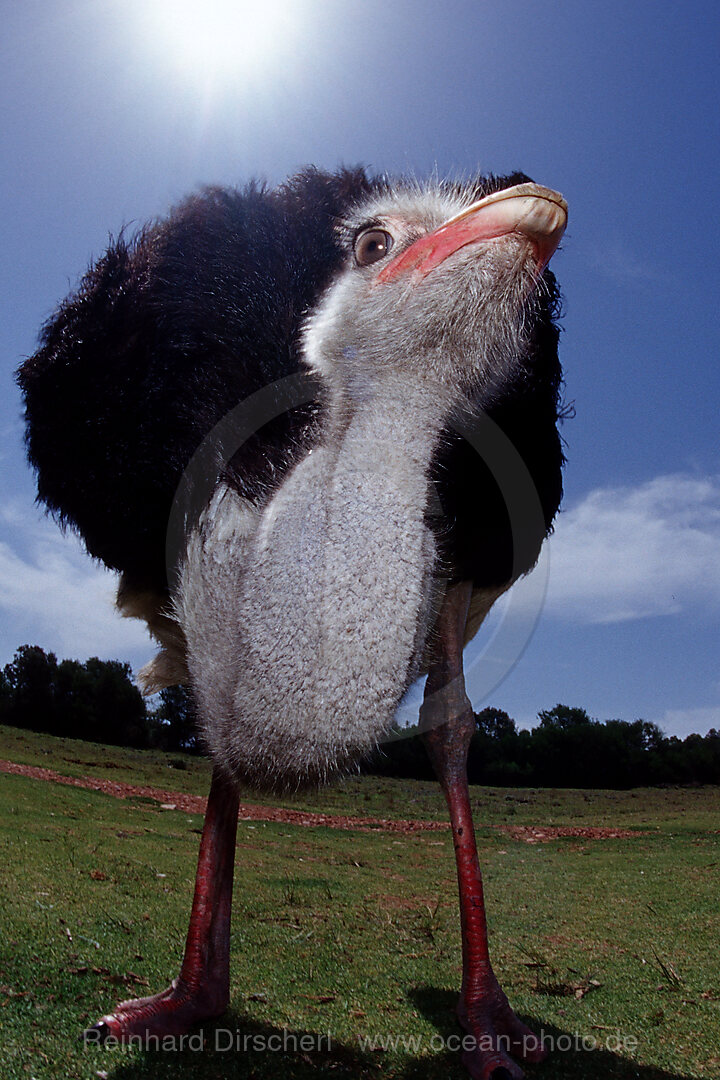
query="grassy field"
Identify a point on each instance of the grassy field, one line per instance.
(341, 936)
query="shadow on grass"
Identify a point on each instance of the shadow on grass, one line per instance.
(238, 1048)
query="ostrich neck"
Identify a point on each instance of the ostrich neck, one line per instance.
(392, 425)
(347, 530)
(333, 598)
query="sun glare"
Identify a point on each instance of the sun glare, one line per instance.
(211, 38)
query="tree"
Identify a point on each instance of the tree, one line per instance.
(495, 755)
(495, 723)
(564, 717)
(117, 704)
(75, 715)
(30, 688)
(177, 718)
(5, 698)
(95, 700)
(566, 750)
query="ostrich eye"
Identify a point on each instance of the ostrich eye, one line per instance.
(372, 246)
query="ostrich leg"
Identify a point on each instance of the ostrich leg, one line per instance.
(202, 989)
(448, 723)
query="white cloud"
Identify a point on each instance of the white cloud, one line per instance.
(631, 552)
(683, 722)
(52, 594)
(614, 256)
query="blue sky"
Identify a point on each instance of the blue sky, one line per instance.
(112, 111)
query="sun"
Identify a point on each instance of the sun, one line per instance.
(221, 38)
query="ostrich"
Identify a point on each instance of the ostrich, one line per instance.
(330, 543)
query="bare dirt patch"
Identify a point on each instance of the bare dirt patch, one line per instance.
(542, 834)
(196, 804)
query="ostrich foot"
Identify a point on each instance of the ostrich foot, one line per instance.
(496, 1033)
(202, 990)
(174, 1011)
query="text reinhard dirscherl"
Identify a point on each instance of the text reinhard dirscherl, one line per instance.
(226, 1040)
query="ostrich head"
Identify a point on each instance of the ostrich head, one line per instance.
(438, 288)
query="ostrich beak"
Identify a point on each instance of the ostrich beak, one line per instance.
(528, 209)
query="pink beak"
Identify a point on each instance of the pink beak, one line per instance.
(528, 209)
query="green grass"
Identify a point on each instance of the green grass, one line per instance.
(355, 933)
